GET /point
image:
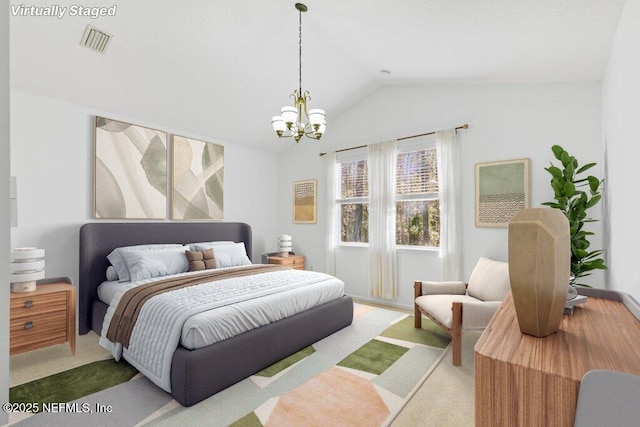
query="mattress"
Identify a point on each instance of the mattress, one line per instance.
(234, 319)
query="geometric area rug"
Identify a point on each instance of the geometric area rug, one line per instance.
(362, 375)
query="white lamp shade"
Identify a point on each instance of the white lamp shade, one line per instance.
(27, 266)
(284, 244)
(26, 277)
(316, 116)
(289, 115)
(19, 254)
(278, 124)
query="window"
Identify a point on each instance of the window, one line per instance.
(417, 199)
(354, 201)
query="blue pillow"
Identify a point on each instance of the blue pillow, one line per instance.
(116, 260)
(203, 246)
(145, 264)
(231, 255)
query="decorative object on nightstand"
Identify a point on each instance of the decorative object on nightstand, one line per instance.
(292, 260)
(27, 266)
(284, 245)
(44, 317)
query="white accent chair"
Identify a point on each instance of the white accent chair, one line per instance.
(455, 306)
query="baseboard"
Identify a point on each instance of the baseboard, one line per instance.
(381, 302)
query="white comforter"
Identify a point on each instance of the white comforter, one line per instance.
(201, 315)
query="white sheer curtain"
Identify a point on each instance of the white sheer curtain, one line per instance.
(382, 219)
(331, 213)
(450, 208)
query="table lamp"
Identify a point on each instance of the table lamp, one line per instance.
(27, 266)
(284, 244)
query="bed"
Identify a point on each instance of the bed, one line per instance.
(198, 374)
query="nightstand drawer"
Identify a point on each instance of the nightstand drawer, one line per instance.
(294, 261)
(37, 331)
(31, 305)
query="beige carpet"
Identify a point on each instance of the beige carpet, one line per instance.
(46, 361)
(446, 398)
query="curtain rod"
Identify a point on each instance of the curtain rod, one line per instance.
(464, 126)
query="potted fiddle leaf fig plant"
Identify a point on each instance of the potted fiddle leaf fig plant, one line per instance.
(575, 194)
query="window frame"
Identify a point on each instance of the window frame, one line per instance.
(410, 147)
(362, 154)
(347, 157)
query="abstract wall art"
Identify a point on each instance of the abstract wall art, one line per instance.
(502, 189)
(305, 194)
(198, 180)
(130, 171)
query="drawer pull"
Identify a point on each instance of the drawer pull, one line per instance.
(28, 325)
(28, 303)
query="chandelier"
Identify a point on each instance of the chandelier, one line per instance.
(296, 121)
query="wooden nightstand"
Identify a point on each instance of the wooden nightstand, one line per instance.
(295, 261)
(44, 317)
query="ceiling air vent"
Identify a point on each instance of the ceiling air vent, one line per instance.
(95, 39)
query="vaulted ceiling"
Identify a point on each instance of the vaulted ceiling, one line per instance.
(223, 68)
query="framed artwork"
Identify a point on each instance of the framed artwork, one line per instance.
(502, 189)
(197, 179)
(130, 171)
(305, 199)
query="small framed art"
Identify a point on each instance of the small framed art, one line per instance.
(305, 198)
(502, 189)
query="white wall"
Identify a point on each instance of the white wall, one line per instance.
(621, 106)
(506, 122)
(5, 237)
(52, 158)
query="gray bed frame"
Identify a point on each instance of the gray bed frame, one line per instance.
(198, 374)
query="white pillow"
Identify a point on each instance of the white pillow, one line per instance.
(145, 264)
(203, 246)
(112, 274)
(231, 255)
(116, 260)
(489, 280)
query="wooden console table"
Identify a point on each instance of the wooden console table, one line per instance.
(522, 380)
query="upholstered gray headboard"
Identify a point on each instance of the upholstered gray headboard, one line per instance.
(98, 239)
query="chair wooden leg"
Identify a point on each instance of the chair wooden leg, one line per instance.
(456, 334)
(417, 315)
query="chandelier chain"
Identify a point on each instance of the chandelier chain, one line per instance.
(300, 52)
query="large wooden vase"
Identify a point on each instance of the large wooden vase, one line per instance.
(539, 268)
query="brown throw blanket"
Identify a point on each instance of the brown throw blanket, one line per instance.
(131, 302)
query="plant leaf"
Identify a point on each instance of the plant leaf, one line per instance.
(594, 200)
(557, 151)
(585, 167)
(554, 171)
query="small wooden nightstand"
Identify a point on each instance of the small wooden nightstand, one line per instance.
(295, 261)
(44, 317)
